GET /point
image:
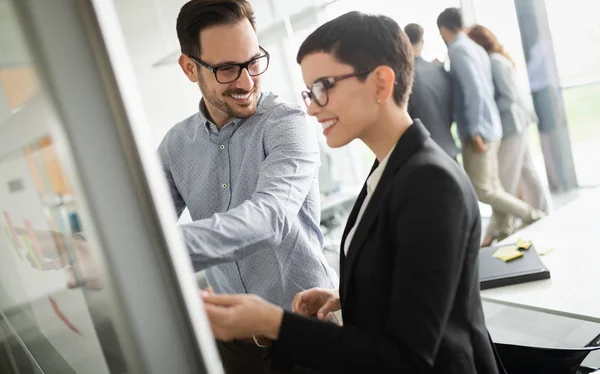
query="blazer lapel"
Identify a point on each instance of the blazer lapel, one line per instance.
(349, 225)
(407, 145)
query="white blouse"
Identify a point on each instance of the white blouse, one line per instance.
(372, 183)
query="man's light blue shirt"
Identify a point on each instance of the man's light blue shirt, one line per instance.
(473, 86)
(252, 192)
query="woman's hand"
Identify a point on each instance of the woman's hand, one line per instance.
(316, 301)
(242, 316)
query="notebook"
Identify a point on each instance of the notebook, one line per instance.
(494, 272)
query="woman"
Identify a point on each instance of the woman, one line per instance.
(517, 173)
(409, 290)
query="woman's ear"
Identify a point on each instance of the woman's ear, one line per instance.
(385, 81)
(189, 68)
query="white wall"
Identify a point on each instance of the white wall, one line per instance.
(149, 30)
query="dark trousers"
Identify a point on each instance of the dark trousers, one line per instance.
(239, 357)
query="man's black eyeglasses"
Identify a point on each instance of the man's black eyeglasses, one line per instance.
(228, 73)
(319, 91)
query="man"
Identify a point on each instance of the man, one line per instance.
(478, 122)
(431, 98)
(246, 167)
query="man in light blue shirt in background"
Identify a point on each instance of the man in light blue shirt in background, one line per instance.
(246, 166)
(478, 122)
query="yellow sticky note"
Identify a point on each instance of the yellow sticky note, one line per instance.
(544, 251)
(507, 253)
(524, 244)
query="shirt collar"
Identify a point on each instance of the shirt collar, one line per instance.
(460, 36)
(210, 127)
(375, 176)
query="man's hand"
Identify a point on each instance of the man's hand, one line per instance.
(479, 144)
(241, 316)
(316, 301)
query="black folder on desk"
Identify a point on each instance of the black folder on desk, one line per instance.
(494, 272)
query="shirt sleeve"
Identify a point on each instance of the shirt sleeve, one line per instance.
(261, 223)
(464, 69)
(163, 154)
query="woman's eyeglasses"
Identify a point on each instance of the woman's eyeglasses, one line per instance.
(319, 91)
(231, 72)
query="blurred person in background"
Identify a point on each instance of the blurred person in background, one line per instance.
(546, 92)
(479, 124)
(517, 172)
(431, 98)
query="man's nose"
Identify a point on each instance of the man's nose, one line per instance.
(245, 81)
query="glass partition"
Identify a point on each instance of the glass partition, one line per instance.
(91, 279)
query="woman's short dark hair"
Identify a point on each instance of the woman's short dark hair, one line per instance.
(451, 19)
(365, 42)
(197, 15)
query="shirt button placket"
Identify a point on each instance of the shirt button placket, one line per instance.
(225, 169)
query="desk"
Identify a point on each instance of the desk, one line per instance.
(574, 288)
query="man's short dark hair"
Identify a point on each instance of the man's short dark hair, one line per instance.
(197, 15)
(414, 32)
(365, 42)
(451, 19)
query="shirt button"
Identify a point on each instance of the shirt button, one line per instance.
(221, 147)
(224, 185)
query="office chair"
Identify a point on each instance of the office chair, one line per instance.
(519, 359)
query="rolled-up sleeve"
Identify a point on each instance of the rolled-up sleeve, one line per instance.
(262, 222)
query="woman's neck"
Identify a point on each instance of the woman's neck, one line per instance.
(384, 133)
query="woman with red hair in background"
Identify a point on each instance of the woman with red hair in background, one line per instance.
(517, 173)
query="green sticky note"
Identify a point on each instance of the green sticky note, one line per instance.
(31, 251)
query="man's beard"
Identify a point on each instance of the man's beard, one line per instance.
(221, 103)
